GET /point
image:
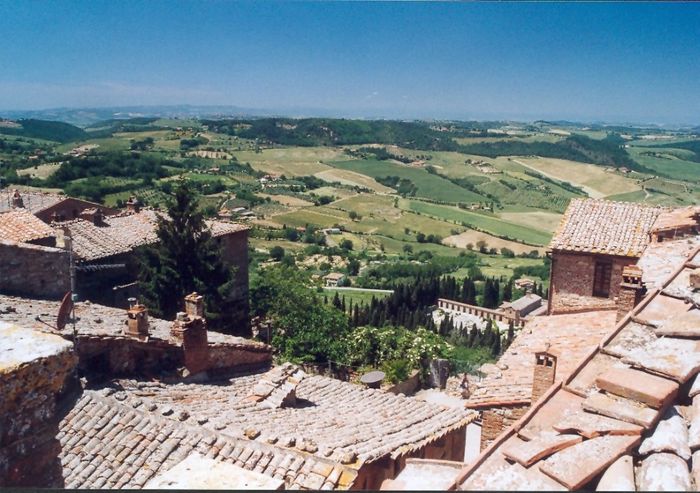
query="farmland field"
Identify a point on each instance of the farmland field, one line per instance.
(593, 179)
(351, 178)
(669, 165)
(289, 161)
(473, 237)
(489, 224)
(428, 186)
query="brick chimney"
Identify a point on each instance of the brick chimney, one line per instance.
(190, 329)
(137, 320)
(133, 204)
(544, 373)
(17, 201)
(631, 290)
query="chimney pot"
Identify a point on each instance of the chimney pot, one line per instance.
(17, 201)
(544, 373)
(194, 305)
(631, 290)
(137, 320)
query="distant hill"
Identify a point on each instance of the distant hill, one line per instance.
(607, 151)
(335, 131)
(47, 130)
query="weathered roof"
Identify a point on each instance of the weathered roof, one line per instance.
(198, 473)
(20, 346)
(343, 422)
(94, 320)
(628, 403)
(570, 335)
(122, 233)
(108, 443)
(682, 217)
(334, 276)
(22, 226)
(605, 227)
(523, 302)
(33, 201)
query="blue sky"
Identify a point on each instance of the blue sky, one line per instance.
(587, 61)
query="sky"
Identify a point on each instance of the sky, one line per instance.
(614, 62)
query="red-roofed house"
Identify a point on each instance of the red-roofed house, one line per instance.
(594, 242)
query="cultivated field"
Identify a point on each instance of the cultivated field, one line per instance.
(593, 179)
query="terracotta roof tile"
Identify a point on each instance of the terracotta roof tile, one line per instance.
(571, 335)
(22, 226)
(122, 233)
(343, 422)
(606, 227)
(662, 456)
(142, 445)
(32, 201)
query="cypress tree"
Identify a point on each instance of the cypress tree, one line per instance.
(186, 259)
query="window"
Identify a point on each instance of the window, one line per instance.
(601, 279)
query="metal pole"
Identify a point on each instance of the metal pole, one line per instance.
(73, 295)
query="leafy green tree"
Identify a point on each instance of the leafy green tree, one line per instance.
(276, 253)
(346, 244)
(186, 259)
(305, 328)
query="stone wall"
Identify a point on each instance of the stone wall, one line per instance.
(496, 419)
(571, 288)
(33, 270)
(34, 381)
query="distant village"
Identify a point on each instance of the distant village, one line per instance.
(598, 389)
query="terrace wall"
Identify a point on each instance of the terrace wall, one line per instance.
(33, 270)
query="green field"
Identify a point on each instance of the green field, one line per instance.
(489, 224)
(428, 186)
(669, 165)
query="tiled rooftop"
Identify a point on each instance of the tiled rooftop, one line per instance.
(109, 443)
(97, 321)
(330, 419)
(22, 226)
(605, 227)
(633, 404)
(572, 336)
(123, 232)
(33, 201)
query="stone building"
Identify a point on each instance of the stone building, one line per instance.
(136, 422)
(48, 207)
(34, 258)
(112, 341)
(594, 242)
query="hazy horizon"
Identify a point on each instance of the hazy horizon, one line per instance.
(592, 62)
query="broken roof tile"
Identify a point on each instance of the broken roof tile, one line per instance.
(663, 472)
(622, 409)
(676, 358)
(670, 435)
(638, 385)
(575, 466)
(545, 444)
(591, 425)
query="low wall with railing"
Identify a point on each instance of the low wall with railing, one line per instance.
(479, 311)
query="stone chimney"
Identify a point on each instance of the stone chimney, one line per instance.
(190, 329)
(194, 305)
(631, 290)
(133, 204)
(137, 320)
(544, 373)
(17, 201)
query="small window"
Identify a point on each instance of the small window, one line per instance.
(601, 279)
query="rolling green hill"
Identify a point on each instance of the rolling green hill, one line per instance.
(47, 130)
